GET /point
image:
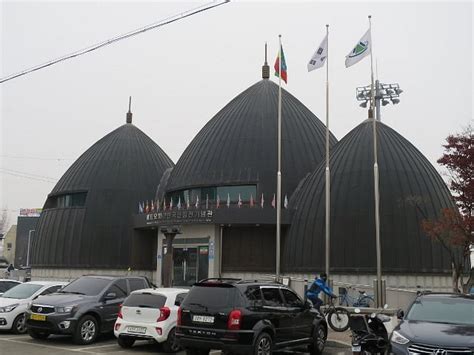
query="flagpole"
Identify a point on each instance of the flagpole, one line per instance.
(278, 201)
(376, 177)
(328, 173)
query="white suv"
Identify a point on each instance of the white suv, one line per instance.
(150, 314)
(14, 302)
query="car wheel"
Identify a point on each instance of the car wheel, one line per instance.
(37, 334)
(192, 351)
(319, 340)
(171, 345)
(86, 331)
(19, 326)
(263, 345)
(125, 342)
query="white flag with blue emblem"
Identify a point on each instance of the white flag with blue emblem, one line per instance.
(360, 51)
(319, 57)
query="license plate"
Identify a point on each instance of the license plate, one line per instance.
(356, 349)
(38, 317)
(137, 330)
(203, 319)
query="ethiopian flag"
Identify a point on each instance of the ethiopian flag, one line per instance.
(284, 74)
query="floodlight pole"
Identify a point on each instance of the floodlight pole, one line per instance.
(28, 250)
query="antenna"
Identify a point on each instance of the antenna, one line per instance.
(129, 113)
(265, 67)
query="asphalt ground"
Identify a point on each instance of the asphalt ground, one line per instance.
(11, 344)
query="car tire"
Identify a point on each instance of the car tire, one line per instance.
(38, 335)
(87, 330)
(19, 324)
(171, 345)
(125, 342)
(193, 351)
(263, 345)
(319, 340)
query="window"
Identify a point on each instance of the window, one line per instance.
(76, 199)
(292, 300)
(49, 290)
(253, 293)
(179, 299)
(272, 297)
(119, 291)
(211, 193)
(145, 300)
(9, 246)
(136, 284)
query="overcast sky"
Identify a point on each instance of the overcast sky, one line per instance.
(181, 75)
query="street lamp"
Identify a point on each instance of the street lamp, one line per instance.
(384, 94)
(28, 251)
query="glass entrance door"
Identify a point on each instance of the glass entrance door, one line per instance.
(185, 266)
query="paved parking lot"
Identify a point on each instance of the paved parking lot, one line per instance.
(11, 344)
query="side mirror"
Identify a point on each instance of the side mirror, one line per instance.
(177, 303)
(110, 296)
(400, 314)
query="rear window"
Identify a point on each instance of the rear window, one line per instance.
(145, 300)
(215, 297)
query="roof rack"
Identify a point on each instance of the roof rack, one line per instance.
(259, 281)
(220, 279)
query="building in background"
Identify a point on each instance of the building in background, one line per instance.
(9, 243)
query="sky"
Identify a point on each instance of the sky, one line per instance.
(181, 75)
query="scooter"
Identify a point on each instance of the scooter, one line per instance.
(369, 334)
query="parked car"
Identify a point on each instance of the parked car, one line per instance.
(6, 284)
(150, 314)
(85, 308)
(436, 323)
(248, 317)
(14, 302)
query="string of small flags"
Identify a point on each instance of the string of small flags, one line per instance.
(150, 206)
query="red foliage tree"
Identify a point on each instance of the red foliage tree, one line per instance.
(454, 228)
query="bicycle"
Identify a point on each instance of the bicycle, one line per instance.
(364, 299)
(337, 317)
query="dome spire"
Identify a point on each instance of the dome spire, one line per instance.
(265, 67)
(129, 113)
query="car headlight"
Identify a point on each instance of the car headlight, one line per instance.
(67, 309)
(398, 338)
(9, 308)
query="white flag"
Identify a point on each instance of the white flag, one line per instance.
(361, 50)
(319, 57)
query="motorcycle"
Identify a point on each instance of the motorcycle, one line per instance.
(369, 334)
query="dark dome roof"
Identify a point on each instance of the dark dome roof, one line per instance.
(239, 144)
(405, 176)
(122, 168)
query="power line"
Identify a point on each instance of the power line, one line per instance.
(33, 158)
(94, 47)
(27, 175)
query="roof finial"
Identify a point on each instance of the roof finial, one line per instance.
(265, 67)
(129, 113)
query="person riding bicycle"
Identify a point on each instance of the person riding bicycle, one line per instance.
(318, 285)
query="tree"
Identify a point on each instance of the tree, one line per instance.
(454, 228)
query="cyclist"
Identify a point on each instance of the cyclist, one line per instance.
(318, 285)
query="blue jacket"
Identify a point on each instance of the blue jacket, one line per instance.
(317, 286)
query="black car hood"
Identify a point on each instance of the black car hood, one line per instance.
(440, 334)
(63, 299)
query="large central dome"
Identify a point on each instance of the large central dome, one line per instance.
(238, 146)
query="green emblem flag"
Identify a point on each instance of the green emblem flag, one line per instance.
(360, 51)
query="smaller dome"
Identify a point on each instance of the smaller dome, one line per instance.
(410, 190)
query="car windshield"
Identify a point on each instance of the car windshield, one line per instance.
(453, 310)
(210, 297)
(22, 291)
(145, 300)
(90, 286)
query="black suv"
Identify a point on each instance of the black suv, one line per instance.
(84, 308)
(247, 317)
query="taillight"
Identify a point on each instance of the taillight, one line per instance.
(164, 314)
(180, 312)
(235, 320)
(120, 315)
